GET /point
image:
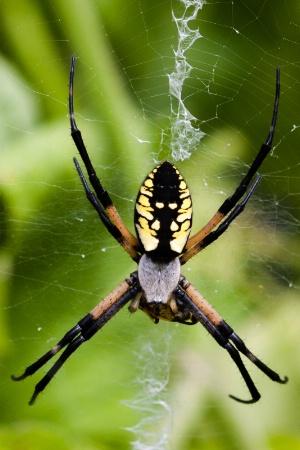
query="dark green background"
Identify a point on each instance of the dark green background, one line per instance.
(57, 262)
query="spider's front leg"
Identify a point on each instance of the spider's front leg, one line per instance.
(82, 332)
(205, 314)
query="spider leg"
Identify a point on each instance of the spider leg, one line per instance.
(214, 235)
(126, 238)
(110, 226)
(223, 333)
(82, 332)
(231, 201)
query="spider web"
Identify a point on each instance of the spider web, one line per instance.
(193, 82)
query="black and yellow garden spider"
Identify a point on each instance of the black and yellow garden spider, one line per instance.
(163, 220)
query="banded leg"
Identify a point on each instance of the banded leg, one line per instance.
(215, 234)
(121, 233)
(223, 333)
(193, 245)
(82, 332)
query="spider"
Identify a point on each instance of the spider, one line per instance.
(163, 220)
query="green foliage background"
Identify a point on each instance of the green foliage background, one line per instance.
(56, 261)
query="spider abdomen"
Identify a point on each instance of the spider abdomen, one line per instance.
(163, 212)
